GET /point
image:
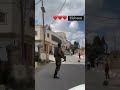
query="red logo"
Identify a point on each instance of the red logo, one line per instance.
(55, 17)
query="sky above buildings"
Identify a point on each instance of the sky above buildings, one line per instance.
(75, 31)
(103, 19)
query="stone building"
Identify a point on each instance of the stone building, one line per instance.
(12, 38)
(65, 42)
(51, 40)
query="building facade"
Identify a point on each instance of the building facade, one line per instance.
(12, 23)
(51, 40)
(65, 43)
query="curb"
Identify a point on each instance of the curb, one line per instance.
(41, 64)
(51, 61)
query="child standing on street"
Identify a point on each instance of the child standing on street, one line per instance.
(79, 56)
(107, 70)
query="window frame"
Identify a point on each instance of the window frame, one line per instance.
(5, 18)
(48, 35)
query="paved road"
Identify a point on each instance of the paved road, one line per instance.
(70, 59)
(94, 80)
(72, 74)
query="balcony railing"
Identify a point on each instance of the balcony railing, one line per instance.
(56, 39)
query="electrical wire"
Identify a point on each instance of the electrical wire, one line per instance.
(38, 2)
(60, 10)
(103, 17)
(109, 8)
(61, 7)
(106, 20)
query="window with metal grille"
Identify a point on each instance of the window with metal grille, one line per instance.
(2, 18)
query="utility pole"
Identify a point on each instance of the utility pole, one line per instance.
(114, 41)
(43, 27)
(22, 31)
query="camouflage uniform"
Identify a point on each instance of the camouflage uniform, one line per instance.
(58, 54)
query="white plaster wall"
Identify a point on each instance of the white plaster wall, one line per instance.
(37, 29)
(39, 35)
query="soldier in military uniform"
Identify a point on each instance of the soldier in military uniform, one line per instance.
(58, 54)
